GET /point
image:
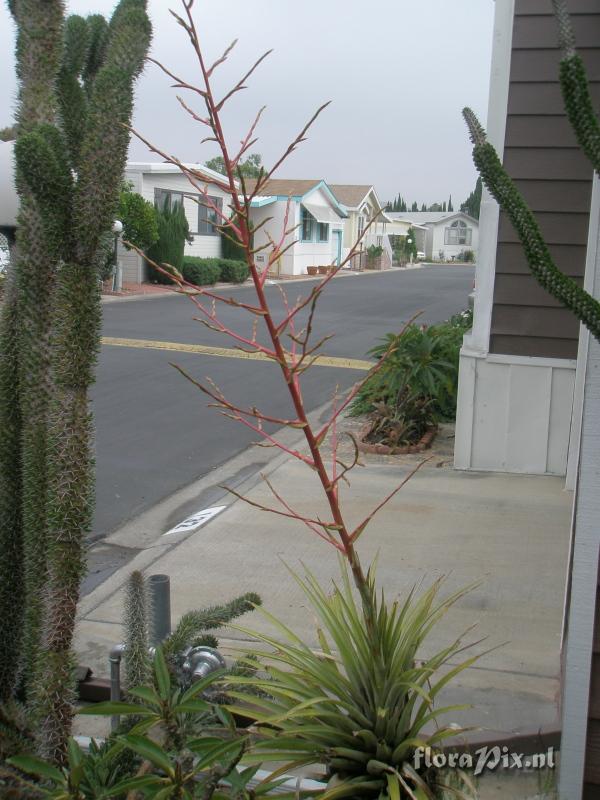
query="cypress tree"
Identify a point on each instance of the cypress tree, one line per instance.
(450, 206)
(173, 230)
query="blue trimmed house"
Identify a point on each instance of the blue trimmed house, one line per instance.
(315, 225)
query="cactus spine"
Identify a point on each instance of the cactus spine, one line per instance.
(69, 168)
(583, 119)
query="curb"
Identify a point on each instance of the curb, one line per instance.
(112, 298)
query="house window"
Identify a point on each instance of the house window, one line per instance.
(361, 225)
(458, 233)
(164, 198)
(208, 219)
(306, 225)
(323, 231)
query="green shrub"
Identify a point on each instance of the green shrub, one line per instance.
(140, 225)
(173, 232)
(205, 271)
(201, 271)
(424, 363)
(466, 255)
(231, 247)
(233, 271)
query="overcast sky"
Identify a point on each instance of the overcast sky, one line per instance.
(398, 73)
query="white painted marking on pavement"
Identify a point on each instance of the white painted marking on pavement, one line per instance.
(196, 520)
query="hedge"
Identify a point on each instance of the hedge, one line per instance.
(233, 271)
(203, 271)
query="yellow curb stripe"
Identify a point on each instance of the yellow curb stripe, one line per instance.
(228, 352)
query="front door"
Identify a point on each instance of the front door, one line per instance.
(337, 247)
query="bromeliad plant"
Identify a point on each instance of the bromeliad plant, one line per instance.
(374, 629)
(361, 703)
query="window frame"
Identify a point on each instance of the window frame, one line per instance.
(320, 227)
(218, 201)
(458, 234)
(306, 218)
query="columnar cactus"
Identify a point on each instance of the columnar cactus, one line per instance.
(69, 168)
(24, 354)
(583, 118)
(137, 663)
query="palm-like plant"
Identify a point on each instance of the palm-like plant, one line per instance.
(362, 703)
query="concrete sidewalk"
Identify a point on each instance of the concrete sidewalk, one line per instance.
(511, 532)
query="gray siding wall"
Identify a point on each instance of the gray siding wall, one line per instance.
(542, 156)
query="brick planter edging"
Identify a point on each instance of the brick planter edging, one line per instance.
(385, 450)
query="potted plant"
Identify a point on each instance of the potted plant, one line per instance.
(312, 270)
(323, 270)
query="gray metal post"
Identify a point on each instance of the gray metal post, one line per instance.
(159, 588)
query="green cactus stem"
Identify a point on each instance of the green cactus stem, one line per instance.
(76, 98)
(22, 517)
(12, 597)
(136, 661)
(564, 289)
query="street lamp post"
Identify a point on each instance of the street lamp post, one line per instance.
(117, 284)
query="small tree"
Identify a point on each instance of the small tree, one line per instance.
(8, 134)
(250, 167)
(472, 204)
(138, 215)
(169, 248)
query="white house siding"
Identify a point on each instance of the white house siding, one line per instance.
(145, 183)
(435, 240)
(275, 213)
(302, 254)
(307, 254)
(351, 223)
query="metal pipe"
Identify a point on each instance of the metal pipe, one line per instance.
(159, 589)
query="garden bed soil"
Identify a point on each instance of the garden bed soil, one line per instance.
(424, 443)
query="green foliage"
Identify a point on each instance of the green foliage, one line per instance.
(467, 255)
(250, 167)
(423, 363)
(168, 250)
(201, 271)
(472, 204)
(405, 248)
(364, 700)
(8, 134)
(140, 226)
(374, 251)
(207, 271)
(177, 760)
(195, 624)
(233, 271)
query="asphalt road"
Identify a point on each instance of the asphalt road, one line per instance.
(155, 434)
